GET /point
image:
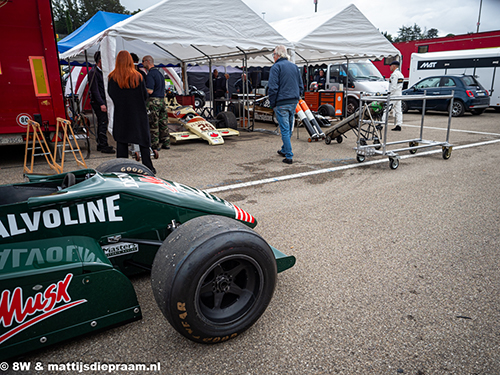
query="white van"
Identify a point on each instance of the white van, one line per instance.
(480, 63)
(364, 77)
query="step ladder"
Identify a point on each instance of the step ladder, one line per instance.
(69, 143)
(35, 136)
(65, 142)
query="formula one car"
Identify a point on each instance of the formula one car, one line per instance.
(196, 126)
(260, 109)
(69, 241)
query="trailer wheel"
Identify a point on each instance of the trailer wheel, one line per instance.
(326, 110)
(340, 139)
(360, 158)
(376, 141)
(393, 163)
(125, 166)
(352, 105)
(446, 153)
(226, 120)
(214, 285)
(328, 140)
(413, 144)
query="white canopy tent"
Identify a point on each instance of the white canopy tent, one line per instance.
(328, 36)
(187, 31)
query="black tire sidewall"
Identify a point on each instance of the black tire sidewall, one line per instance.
(354, 103)
(178, 269)
(122, 165)
(227, 120)
(326, 110)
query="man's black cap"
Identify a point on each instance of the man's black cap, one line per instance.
(395, 62)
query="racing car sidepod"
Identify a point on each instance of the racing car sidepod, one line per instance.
(56, 289)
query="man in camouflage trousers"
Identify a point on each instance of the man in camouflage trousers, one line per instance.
(157, 109)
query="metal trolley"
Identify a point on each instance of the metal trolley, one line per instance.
(363, 150)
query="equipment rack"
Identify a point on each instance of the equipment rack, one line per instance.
(363, 150)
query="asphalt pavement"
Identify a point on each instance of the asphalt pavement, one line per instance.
(397, 270)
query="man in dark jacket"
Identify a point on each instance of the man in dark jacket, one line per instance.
(285, 89)
(220, 89)
(98, 103)
(157, 109)
(135, 59)
(243, 85)
(320, 79)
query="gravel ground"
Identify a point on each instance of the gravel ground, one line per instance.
(397, 270)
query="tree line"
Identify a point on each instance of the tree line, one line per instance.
(408, 33)
(69, 15)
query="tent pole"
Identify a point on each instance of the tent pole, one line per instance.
(72, 100)
(210, 80)
(307, 74)
(183, 67)
(246, 110)
(185, 77)
(346, 102)
(89, 83)
(88, 91)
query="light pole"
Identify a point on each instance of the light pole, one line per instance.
(479, 17)
(315, 6)
(263, 15)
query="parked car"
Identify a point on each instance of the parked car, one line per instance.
(469, 95)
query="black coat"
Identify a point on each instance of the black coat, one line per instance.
(219, 85)
(96, 81)
(130, 119)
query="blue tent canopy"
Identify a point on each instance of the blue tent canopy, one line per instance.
(101, 21)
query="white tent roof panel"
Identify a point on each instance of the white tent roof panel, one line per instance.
(221, 30)
(331, 36)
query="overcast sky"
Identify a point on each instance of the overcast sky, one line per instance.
(448, 16)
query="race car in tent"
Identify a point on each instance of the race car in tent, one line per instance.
(197, 127)
(69, 241)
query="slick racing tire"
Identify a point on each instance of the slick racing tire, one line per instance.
(125, 166)
(326, 110)
(227, 120)
(214, 285)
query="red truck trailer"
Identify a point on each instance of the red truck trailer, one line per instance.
(30, 76)
(449, 43)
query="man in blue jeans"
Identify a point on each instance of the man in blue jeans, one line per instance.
(285, 89)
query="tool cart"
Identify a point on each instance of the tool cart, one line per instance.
(384, 148)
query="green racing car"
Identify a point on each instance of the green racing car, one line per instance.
(70, 241)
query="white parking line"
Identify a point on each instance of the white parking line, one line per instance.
(453, 130)
(335, 169)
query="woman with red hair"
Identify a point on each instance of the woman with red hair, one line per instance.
(131, 125)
